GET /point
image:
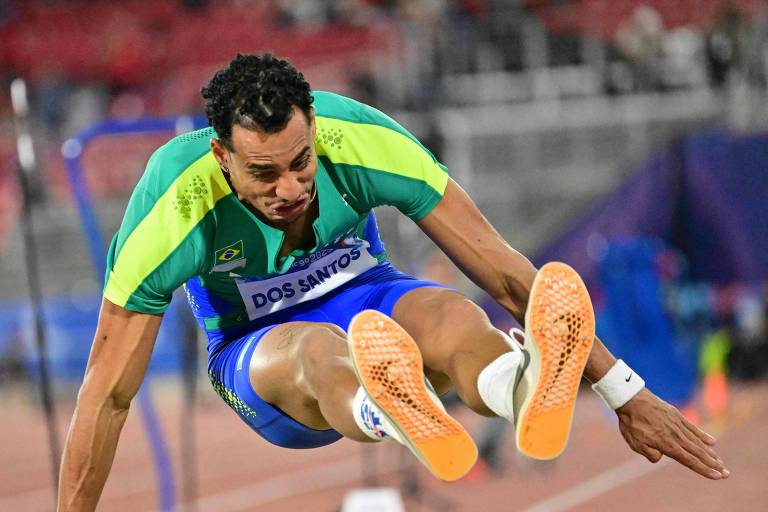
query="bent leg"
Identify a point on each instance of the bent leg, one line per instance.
(456, 339)
(303, 368)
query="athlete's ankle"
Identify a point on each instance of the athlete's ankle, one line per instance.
(496, 382)
(370, 420)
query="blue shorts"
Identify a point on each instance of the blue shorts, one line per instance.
(379, 288)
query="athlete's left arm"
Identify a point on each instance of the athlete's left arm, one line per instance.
(650, 426)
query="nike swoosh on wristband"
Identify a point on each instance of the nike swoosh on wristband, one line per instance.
(628, 378)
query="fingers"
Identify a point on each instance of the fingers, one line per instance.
(704, 453)
(698, 442)
(651, 453)
(690, 451)
(690, 461)
(654, 428)
(684, 457)
(706, 438)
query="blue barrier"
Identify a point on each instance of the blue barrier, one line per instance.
(635, 325)
(70, 322)
(72, 151)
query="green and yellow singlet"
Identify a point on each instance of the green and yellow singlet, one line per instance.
(184, 224)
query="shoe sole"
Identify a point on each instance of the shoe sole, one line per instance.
(560, 331)
(390, 368)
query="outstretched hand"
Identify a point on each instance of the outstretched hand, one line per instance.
(654, 428)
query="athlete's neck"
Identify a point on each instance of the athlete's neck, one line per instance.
(300, 233)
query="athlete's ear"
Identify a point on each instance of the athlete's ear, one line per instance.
(219, 153)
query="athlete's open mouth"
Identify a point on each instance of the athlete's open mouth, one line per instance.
(289, 209)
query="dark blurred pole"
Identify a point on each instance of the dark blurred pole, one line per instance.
(188, 423)
(26, 172)
(195, 5)
(412, 487)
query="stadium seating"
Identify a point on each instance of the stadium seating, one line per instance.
(602, 18)
(131, 43)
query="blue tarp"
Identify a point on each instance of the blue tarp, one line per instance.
(70, 325)
(706, 197)
(634, 324)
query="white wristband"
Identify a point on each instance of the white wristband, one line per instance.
(619, 385)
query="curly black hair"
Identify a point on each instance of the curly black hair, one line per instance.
(257, 92)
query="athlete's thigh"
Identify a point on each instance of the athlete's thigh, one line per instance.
(276, 365)
(441, 321)
(293, 424)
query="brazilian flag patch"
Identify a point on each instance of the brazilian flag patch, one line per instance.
(230, 252)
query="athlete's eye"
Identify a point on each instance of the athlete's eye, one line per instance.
(262, 176)
(301, 164)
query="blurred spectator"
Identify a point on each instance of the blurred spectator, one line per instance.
(86, 104)
(52, 97)
(748, 358)
(126, 50)
(421, 22)
(127, 105)
(351, 12)
(682, 58)
(726, 44)
(305, 13)
(640, 41)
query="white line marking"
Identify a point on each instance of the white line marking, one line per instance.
(597, 485)
(41, 499)
(246, 497)
(250, 497)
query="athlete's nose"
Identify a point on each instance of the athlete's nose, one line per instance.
(289, 188)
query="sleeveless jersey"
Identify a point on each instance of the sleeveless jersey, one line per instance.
(184, 224)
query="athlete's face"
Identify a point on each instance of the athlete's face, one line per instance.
(273, 172)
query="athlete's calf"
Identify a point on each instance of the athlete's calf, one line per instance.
(455, 336)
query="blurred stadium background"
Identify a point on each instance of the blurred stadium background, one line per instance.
(625, 137)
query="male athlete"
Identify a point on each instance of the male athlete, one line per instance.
(265, 219)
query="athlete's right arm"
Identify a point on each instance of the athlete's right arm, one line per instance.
(119, 357)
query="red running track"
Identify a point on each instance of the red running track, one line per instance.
(238, 471)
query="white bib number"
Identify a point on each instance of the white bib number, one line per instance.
(315, 279)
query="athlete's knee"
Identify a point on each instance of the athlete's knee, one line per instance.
(458, 312)
(318, 341)
(321, 351)
(456, 324)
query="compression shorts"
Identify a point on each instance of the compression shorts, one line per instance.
(378, 289)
